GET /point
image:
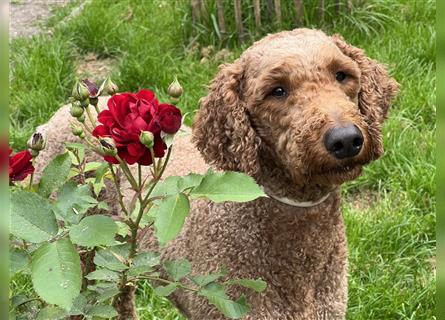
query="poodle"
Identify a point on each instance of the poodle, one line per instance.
(301, 112)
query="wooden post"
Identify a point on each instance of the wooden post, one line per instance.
(277, 6)
(299, 14)
(257, 13)
(196, 10)
(221, 20)
(321, 10)
(238, 20)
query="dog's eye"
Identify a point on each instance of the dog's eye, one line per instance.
(278, 92)
(340, 76)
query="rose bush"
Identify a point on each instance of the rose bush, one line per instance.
(130, 114)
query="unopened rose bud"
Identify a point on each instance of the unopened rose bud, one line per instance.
(36, 142)
(147, 139)
(85, 103)
(175, 90)
(93, 90)
(80, 91)
(77, 131)
(76, 110)
(81, 118)
(108, 146)
(109, 87)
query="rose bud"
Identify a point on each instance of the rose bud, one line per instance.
(81, 118)
(77, 131)
(76, 110)
(169, 118)
(36, 142)
(93, 90)
(147, 139)
(80, 91)
(175, 90)
(109, 87)
(85, 103)
(108, 146)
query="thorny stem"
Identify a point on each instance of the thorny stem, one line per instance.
(118, 188)
(157, 177)
(179, 284)
(90, 116)
(31, 179)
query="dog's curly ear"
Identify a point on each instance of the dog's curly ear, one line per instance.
(222, 131)
(377, 89)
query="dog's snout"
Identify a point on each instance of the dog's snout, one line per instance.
(344, 142)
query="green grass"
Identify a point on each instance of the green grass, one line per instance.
(389, 211)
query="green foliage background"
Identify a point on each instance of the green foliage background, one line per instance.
(389, 211)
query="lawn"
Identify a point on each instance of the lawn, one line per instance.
(389, 211)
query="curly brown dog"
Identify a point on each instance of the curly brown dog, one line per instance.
(301, 112)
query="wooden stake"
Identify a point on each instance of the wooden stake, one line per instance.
(221, 20)
(277, 6)
(238, 20)
(299, 12)
(257, 13)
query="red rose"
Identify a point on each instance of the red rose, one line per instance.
(128, 115)
(20, 165)
(168, 118)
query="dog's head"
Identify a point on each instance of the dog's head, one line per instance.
(312, 104)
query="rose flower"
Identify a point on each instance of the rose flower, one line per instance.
(127, 116)
(20, 165)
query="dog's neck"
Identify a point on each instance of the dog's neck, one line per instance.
(280, 186)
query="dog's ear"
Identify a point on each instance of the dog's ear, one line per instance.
(377, 89)
(222, 131)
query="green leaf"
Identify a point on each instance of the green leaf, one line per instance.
(106, 258)
(227, 186)
(79, 305)
(56, 274)
(107, 294)
(150, 259)
(189, 181)
(54, 175)
(73, 201)
(170, 216)
(51, 313)
(18, 260)
(257, 285)
(178, 269)
(217, 296)
(165, 291)
(103, 274)
(138, 270)
(92, 166)
(203, 280)
(32, 217)
(103, 311)
(169, 186)
(94, 231)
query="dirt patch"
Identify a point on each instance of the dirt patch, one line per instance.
(363, 200)
(26, 17)
(96, 70)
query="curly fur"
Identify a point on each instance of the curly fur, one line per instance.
(300, 252)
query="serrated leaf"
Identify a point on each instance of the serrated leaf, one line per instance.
(105, 258)
(178, 269)
(18, 260)
(104, 311)
(165, 291)
(32, 217)
(169, 186)
(135, 271)
(56, 273)
(51, 313)
(100, 287)
(103, 274)
(257, 285)
(217, 296)
(227, 186)
(170, 217)
(107, 294)
(78, 306)
(203, 280)
(150, 259)
(92, 166)
(94, 231)
(189, 181)
(73, 201)
(54, 175)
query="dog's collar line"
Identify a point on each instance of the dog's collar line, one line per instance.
(296, 203)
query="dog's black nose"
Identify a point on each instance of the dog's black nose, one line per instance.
(344, 142)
